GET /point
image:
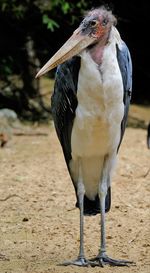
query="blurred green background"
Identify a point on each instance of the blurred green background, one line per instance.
(32, 30)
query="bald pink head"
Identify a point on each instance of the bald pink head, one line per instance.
(98, 22)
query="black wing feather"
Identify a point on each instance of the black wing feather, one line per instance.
(64, 102)
(125, 64)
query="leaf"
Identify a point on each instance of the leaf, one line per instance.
(51, 24)
(4, 7)
(65, 7)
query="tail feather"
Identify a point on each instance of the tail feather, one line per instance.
(92, 207)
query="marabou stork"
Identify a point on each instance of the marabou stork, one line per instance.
(90, 105)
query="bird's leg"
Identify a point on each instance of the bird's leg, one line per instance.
(81, 206)
(80, 261)
(102, 258)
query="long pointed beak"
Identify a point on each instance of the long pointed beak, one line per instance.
(74, 45)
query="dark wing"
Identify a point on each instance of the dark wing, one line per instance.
(64, 102)
(125, 64)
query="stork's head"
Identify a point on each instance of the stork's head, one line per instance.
(94, 29)
(97, 23)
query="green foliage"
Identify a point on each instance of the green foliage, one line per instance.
(14, 7)
(51, 24)
(53, 14)
(30, 31)
(65, 7)
(18, 9)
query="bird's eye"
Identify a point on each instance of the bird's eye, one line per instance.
(93, 23)
(104, 22)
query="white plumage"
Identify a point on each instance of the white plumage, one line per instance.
(100, 110)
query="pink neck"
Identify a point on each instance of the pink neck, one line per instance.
(96, 51)
(97, 54)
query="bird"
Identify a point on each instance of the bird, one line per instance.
(90, 104)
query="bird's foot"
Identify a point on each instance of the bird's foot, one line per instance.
(80, 261)
(103, 259)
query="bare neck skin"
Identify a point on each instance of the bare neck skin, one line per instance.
(96, 51)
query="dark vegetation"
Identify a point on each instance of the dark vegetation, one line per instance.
(32, 30)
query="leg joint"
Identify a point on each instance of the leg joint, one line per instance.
(81, 189)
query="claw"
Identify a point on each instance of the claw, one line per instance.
(102, 260)
(78, 262)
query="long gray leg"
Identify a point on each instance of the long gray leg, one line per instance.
(102, 258)
(102, 196)
(80, 193)
(80, 261)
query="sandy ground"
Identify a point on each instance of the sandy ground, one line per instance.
(39, 225)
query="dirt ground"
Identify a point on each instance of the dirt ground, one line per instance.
(39, 225)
